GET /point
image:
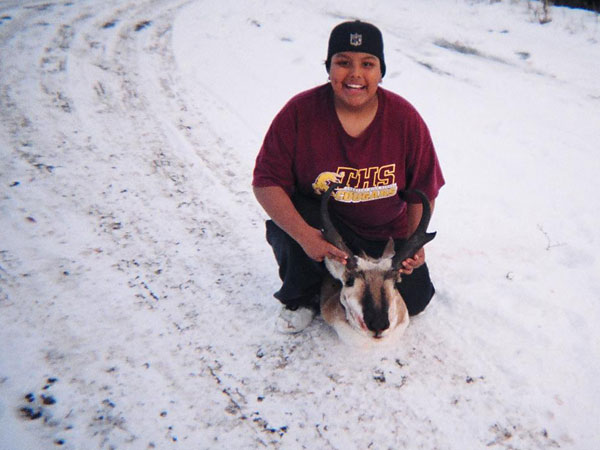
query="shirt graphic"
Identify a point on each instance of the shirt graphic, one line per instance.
(359, 185)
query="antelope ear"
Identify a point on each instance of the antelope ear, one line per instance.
(335, 268)
(342, 271)
(389, 251)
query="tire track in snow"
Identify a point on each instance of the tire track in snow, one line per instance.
(199, 166)
(132, 176)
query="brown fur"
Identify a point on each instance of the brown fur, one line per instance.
(331, 307)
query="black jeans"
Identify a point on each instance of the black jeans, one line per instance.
(301, 276)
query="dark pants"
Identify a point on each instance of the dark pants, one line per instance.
(301, 276)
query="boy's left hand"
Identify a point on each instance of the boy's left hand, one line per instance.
(410, 264)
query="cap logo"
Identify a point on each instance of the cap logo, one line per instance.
(356, 39)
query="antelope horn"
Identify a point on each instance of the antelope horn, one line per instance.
(329, 232)
(420, 237)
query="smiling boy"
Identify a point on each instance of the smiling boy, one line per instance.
(372, 141)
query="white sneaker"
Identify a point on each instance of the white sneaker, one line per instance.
(290, 322)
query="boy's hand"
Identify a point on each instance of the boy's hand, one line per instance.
(410, 264)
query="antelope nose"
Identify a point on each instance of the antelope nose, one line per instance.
(378, 323)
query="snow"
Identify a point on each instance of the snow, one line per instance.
(135, 282)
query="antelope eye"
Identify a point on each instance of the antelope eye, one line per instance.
(349, 281)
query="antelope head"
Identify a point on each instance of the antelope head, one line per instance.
(369, 300)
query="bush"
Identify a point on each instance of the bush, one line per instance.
(592, 5)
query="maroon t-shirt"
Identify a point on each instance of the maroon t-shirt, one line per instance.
(306, 148)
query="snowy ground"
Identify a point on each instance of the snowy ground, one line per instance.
(135, 283)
